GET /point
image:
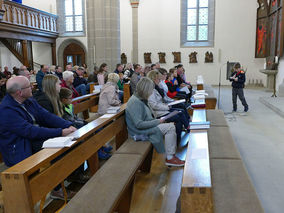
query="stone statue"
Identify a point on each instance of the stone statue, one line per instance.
(123, 58)
(192, 57)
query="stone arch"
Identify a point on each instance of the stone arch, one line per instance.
(63, 45)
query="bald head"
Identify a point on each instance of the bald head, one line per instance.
(16, 83)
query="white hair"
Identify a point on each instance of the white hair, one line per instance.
(67, 74)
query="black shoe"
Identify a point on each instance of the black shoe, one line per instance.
(246, 109)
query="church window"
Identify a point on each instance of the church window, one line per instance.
(197, 23)
(73, 16)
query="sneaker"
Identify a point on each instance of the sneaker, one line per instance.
(59, 195)
(103, 155)
(246, 109)
(107, 149)
(175, 162)
(79, 177)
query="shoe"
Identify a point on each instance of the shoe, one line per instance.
(103, 155)
(107, 149)
(79, 177)
(175, 162)
(246, 109)
(59, 195)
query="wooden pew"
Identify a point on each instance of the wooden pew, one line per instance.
(85, 103)
(29, 181)
(126, 92)
(196, 189)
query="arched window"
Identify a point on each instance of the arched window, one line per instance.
(71, 17)
(197, 23)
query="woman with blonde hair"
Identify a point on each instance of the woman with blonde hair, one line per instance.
(109, 94)
(141, 123)
(48, 98)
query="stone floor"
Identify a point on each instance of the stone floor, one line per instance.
(259, 136)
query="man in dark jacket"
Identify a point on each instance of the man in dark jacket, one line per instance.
(24, 123)
(238, 79)
(80, 83)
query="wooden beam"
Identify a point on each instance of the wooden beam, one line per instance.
(25, 53)
(53, 49)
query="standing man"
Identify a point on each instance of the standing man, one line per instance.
(238, 79)
(25, 125)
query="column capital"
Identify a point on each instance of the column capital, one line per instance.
(134, 3)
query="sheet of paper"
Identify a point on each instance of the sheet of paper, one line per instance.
(107, 116)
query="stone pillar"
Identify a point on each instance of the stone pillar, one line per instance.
(134, 5)
(103, 21)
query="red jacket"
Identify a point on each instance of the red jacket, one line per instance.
(74, 91)
(172, 89)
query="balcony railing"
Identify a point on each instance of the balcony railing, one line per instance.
(26, 17)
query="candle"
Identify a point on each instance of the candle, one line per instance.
(264, 67)
(276, 59)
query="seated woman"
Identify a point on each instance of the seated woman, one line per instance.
(181, 92)
(108, 98)
(48, 98)
(140, 122)
(109, 94)
(67, 82)
(160, 108)
(101, 73)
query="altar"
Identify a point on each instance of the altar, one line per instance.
(270, 81)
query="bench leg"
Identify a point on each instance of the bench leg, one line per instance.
(124, 204)
(93, 163)
(146, 165)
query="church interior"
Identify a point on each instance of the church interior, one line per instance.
(232, 166)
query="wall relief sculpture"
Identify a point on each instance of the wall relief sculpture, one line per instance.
(208, 57)
(147, 58)
(192, 57)
(177, 57)
(162, 59)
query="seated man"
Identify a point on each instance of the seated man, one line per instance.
(24, 123)
(80, 83)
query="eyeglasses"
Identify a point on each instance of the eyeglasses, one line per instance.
(26, 87)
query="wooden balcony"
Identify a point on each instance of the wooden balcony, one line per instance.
(22, 22)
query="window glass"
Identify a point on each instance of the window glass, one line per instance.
(203, 16)
(78, 7)
(203, 3)
(191, 18)
(68, 7)
(69, 24)
(78, 23)
(191, 3)
(191, 33)
(203, 33)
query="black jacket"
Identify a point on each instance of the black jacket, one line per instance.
(44, 101)
(240, 83)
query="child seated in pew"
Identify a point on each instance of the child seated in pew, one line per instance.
(65, 95)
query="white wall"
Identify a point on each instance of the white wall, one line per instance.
(280, 74)
(159, 31)
(7, 58)
(47, 6)
(42, 53)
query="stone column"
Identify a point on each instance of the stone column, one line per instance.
(103, 22)
(134, 5)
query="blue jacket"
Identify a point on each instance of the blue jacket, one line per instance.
(17, 132)
(39, 77)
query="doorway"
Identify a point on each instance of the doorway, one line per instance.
(74, 54)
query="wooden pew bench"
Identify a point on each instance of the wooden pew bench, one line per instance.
(211, 99)
(111, 187)
(229, 188)
(32, 179)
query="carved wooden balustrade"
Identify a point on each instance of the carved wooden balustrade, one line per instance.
(23, 19)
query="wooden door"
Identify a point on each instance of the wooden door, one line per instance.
(75, 54)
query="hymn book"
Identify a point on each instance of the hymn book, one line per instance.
(200, 125)
(59, 142)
